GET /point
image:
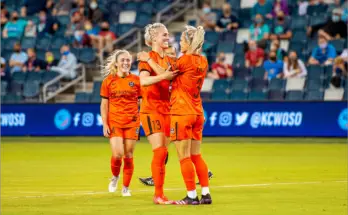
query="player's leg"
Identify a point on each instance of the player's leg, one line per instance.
(117, 152)
(199, 163)
(181, 134)
(153, 125)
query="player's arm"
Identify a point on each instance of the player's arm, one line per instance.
(147, 80)
(145, 57)
(104, 109)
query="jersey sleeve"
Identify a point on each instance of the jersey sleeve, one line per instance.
(180, 64)
(104, 89)
(144, 66)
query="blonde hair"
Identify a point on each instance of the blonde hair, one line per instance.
(195, 38)
(109, 67)
(150, 32)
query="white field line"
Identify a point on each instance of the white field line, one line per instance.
(83, 193)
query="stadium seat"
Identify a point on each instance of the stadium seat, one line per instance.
(207, 85)
(276, 95)
(87, 55)
(258, 72)
(297, 46)
(238, 61)
(316, 10)
(28, 42)
(41, 55)
(96, 87)
(6, 55)
(221, 84)
(35, 77)
(317, 20)
(142, 19)
(211, 37)
(299, 36)
(124, 28)
(339, 45)
(239, 49)
(57, 55)
(9, 43)
(298, 23)
(219, 95)
(314, 95)
(127, 17)
(205, 96)
(95, 98)
(19, 77)
(131, 6)
(345, 96)
(229, 36)
(258, 84)
(315, 72)
(276, 84)
(333, 94)
(241, 72)
(238, 96)
(315, 84)
(43, 43)
(4, 85)
(48, 76)
(257, 96)
(58, 42)
(82, 97)
(295, 84)
(64, 20)
(146, 7)
(12, 99)
(31, 91)
(226, 47)
(294, 95)
(160, 5)
(239, 85)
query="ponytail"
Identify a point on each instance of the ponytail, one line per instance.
(195, 38)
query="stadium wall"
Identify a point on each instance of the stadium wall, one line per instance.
(301, 119)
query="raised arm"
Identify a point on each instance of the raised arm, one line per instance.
(145, 57)
(147, 80)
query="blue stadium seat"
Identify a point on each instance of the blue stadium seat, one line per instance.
(76, 52)
(276, 95)
(239, 49)
(131, 6)
(146, 7)
(35, 77)
(219, 95)
(87, 55)
(345, 95)
(314, 84)
(294, 95)
(43, 43)
(226, 47)
(314, 96)
(49, 75)
(238, 96)
(9, 43)
(95, 98)
(229, 36)
(114, 7)
(31, 91)
(235, 4)
(211, 37)
(258, 84)
(56, 53)
(298, 22)
(299, 36)
(315, 72)
(257, 96)
(221, 84)
(160, 5)
(316, 10)
(217, 11)
(244, 17)
(6, 55)
(339, 45)
(142, 19)
(28, 42)
(205, 96)
(82, 97)
(96, 87)
(58, 42)
(241, 72)
(124, 28)
(258, 72)
(239, 61)
(276, 84)
(297, 46)
(64, 20)
(4, 87)
(12, 99)
(239, 85)
(317, 20)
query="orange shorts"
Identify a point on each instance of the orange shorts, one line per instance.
(125, 133)
(186, 127)
(155, 123)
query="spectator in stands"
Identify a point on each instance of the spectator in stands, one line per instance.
(344, 55)
(281, 53)
(281, 29)
(262, 7)
(81, 39)
(227, 21)
(32, 64)
(302, 7)
(54, 28)
(345, 11)
(106, 37)
(95, 14)
(207, 17)
(4, 71)
(273, 67)
(220, 69)
(76, 24)
(254, 56)
(32, 7)
(49, 7)
(4, 15)
(15, 27)
(334, 28)
(81, 7)
(294, 67)
(339, 68)
(18, 58)
(280, 6)
(259, 31)
(30, 29)
(63, 7)
(45, 24)
(67, 64)
(49, 61)
(323, 54)
(92, 33)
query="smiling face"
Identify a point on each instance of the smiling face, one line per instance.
(161, 37)
(124, 62)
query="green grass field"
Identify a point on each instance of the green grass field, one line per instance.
(253, 176)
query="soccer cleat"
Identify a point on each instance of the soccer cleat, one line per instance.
(187, 201)
(210, 176)
(113, 184)
(126, 192)
(162, 200)
(205, 200)
(147, 181)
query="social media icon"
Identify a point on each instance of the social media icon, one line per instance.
(241, 118)
(87, 119)
(212, 118)
(343, 119)
(255, 120)
(99, 120)
(225, 119)
(62, 119)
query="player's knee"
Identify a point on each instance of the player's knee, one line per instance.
(118, 155)
(128, 154)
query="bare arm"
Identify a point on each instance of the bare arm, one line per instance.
(144, 56)
(147, 80)
(259, 62)
(104, 109)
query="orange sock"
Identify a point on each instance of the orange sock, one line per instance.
(116, 164)
(128, 169)
(158, 169)
(201, 170)
(188, 173)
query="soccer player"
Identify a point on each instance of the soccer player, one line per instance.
(187, 118)
(120, 91)
(154, 109)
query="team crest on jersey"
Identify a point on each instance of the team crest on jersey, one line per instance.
(131, 84)
(172, 130)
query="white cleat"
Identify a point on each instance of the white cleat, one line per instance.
(113, 184)
(126, 191)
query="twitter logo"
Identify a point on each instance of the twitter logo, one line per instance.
(241, 118)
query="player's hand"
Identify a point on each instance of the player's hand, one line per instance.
(169, 75)
(106, 131)
(143, 56)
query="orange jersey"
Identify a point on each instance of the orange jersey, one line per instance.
(123, 94)
(155, 98)
(186, 87)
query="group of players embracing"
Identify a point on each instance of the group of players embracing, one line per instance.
(170, 110)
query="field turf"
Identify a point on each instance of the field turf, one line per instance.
(252, 176)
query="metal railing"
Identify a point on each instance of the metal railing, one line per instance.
(47, 95)
(187, 6)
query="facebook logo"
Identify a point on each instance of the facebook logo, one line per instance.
(76, 119)
(213, 118)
